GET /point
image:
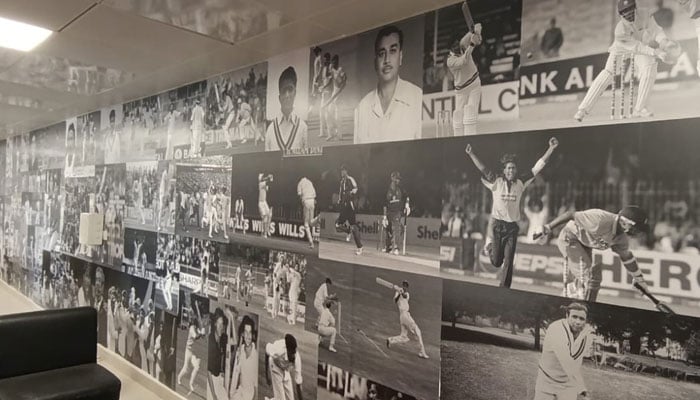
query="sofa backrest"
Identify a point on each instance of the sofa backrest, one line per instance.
(47, 340)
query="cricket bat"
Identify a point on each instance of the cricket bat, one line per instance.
(468, 16)
(659, 304)
(386, 284)
(218, 97)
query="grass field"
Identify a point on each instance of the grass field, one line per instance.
(482, 371)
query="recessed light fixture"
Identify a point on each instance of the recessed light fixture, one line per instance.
(20, 36)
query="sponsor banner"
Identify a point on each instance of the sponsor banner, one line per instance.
(451, 253)
(180, 152)
(421, 231)
(576, 75)
(498, 102)
(668, 274)
(194, 283)
(343, 384)
(279, 228)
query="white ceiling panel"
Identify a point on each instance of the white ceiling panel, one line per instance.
(49, 14)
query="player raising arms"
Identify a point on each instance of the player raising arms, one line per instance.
(568, 339)
(467, 82)
(638, 35)
(401, 298)
(507, 192)
(600, 230)
(346, 201)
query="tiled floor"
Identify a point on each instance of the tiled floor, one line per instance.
(12, 301)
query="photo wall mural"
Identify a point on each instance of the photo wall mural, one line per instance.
(492, 200)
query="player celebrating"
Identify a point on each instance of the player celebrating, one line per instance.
(638, 35)
(282, 361)
(397, 203)
(194, 333)
(467, 82)
(507, 192)
(326, 326)
(346, 202)
(401, 298)
(600, 230)
(307, 195)
(264, 181)
(567, 340)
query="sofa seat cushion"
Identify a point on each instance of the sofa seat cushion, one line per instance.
(81, 382)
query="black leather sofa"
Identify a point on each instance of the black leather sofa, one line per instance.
(52, 355)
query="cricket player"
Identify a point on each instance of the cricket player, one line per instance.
(408, 325)
(307, 195)
(391, 111)
(318, 65)
(567, 340)
(112, 146)
(288, 131)
(216, 362)
(326, 326)
(162, 189)
(276, 286)
(197, 127)
(338, 80)
(346, 201)
(600, 230)
(507, 191)
(246, 366)
(194, 333)
(294, 278)
(636, 34)
(282, 363)
(325, 89)
(323, 295)
(397, 206)
(264, 181)
(467, 83)
(692, 7)
(239, 210)
(246, 127)
(171, 120)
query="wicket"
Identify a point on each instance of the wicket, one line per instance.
(444, 123)
(623, 65)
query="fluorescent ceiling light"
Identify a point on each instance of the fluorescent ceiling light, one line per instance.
(20, 36)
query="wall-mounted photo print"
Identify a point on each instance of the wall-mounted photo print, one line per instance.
(164, 350)
(142, 195)
(192, 345)
(83, 144)
(198, 264)
(46, 147)
(140, 249)
(547, 347)
(111, 135)
(167, 273)
(336, 383)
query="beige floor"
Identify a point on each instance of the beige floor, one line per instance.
(135, 384)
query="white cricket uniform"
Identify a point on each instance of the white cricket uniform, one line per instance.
(282, 385)
(326, 326)
(559, 374)
(320, 298)
(506, 198)
(307, 194)
(405, 319)
(197, 127)
(286, 133)
(294, 289)
(263, 207)
(467, 91)
(401, 121)
(248, 380)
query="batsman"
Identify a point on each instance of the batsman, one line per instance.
(600, 230)
(397, 206)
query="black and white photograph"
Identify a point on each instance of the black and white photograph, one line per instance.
(76, 200)
(335, 383)
(471, 60)
(561, 185)
(164, 355)
(389, 83)
(167, 206)
(109, 201)
(288, 103)
(275, 201)
(586, 65)
(51, 214)
(46, 147)
(192, 341)
(197, 265)
(130, 317)
(83, 144)
(167, 273)
(287, 361)
(235, 118)
(230, 21)
(142, 195)
(139, 120)
(204, 199)
(385, 324)
(395, 207)
(245, 277)
(547, 347)
(233, 364)
(111, 135)
(175, 128)
(140, 249)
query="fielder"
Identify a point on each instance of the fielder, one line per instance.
(466, 80)
(559, 376)
(636, 34)
(346, 201)
(600, 230)
(326, 326)
(401, 298)
(507, 192)
(397, 206)
(307, 195)
(282, 362)
(265, 211)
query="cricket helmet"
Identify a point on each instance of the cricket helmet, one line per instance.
(396, 175)
(634, 220)
(626, 9)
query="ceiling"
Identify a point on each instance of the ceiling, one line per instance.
(112, 51)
